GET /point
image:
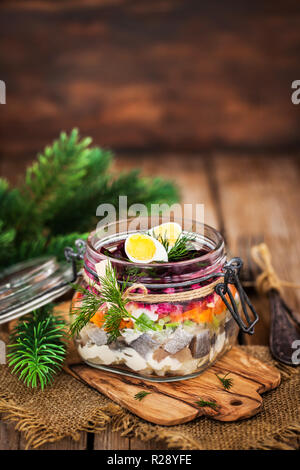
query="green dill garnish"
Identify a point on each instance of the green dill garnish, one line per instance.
(227, 383)
(210, 404)
(135, 273)
(140, 395)
(112, 295)
(181, 248)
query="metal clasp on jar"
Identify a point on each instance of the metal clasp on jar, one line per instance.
(74, 256)
(231, 276)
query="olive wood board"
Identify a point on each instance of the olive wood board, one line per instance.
(170, 403)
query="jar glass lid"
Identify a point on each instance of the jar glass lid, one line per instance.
(31, 284)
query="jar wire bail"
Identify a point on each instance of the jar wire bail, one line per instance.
(231, 276)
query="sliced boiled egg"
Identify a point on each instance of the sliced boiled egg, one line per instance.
(141, 248)
(169, 231)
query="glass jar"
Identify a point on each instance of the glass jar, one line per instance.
(191, 325)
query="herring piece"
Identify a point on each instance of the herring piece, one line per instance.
(165, 365)
(200, 344)
(160, 354)
(179, 340)
(118, 345)
(134, 360)
(98, 336)
(183, 356)
(144, 344)
(84, 333)
(98, 354)
(130, 335)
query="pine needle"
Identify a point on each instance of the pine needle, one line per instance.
(140, 395)
(37, 347)
(210, 404)
(227, 383)
(111, 294)
(90, 303)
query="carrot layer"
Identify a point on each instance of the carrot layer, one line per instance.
(98, 319)
(200, 313)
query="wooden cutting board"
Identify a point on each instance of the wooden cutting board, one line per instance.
(172, 403)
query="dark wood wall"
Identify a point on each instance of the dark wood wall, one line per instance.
(150, 75)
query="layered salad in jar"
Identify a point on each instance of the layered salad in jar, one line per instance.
(174, 325)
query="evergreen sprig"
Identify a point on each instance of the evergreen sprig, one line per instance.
(203, 403)
(140, 395)
(112, 295)
(37, 347)
(57, 200)
(90, 303)
(226, 382)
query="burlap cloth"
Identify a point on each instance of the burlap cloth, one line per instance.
(69, 407)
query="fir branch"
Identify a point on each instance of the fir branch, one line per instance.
(140, 395)
(210, 404)
(111, 294)
(60, 183)
(227, 383)
(7, 237)
(37, 347)
(90, 303)
(12, 205)
(60, 194)
(54, 246)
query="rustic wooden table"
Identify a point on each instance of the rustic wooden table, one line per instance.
(248, 198)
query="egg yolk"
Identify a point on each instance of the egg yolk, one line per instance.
(167, 231)
(140, 247)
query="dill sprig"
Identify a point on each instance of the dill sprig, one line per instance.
(210, 404)
(181, 247)
(37, 349)
(163, 239)
(90, 303)
(112, 296)
(140, 395)
(227, 383)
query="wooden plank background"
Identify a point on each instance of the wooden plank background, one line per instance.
(134, 74)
